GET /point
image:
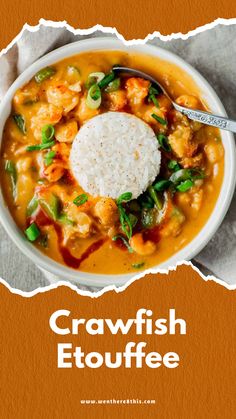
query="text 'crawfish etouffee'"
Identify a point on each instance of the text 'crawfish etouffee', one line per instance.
(100, 233)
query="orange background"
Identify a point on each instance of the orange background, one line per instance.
(203, 386)
(132, 18)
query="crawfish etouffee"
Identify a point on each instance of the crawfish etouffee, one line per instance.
(103, 234)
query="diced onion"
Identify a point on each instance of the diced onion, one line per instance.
(76, 87)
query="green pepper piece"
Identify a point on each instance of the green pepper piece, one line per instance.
(52, 208)
(44, 74)
(20, 122)
(138, 265)
(65, 220)
(80, 199)
(149, 217)
(32, 206)
(32, 232)
(10, 168)
(133, 220)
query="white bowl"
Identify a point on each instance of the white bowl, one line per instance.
(64, 273)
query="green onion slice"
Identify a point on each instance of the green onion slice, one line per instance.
(32, 232)
(20, 122)
(126, 243)
(113, 85)
(90, 82)
(155, 197)
(164, 143)
(197, 173)
(182, 174)
(48, 132)
(152, 92)
(125, 221)
(44, 74)
(49, 157)
(159, 119)
(148, 204)
(162, 185)
(185, 185)
(94, 78)
(181, 177)
(106, 80)
(174, 165)
(155, 101)
(94, 97)
(39, 147)
(146, 201)
(125, 197)
(80, 200)
(98, 76)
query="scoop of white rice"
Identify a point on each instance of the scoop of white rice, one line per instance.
(113, 153)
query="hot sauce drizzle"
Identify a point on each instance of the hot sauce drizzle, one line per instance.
(42, 219)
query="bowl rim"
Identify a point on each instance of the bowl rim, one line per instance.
(221, 206)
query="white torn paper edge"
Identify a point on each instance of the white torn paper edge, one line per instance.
(149, 37)
(113, 31)
(114, 288)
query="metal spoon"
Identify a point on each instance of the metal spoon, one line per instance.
(194, 114)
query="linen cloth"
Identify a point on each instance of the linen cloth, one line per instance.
(212, 52)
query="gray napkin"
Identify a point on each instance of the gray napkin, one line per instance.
(213, 53)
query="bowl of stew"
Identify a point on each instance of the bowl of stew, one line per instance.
(62, 201)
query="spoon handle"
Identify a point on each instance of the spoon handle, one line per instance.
(207, 118)
(201, 116)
